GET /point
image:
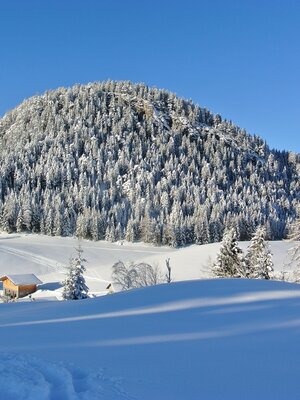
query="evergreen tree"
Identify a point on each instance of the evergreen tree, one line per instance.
(259, 258)
(74, 286)
(230, 259)
(294, 236)
(20, 222)
(131, 234)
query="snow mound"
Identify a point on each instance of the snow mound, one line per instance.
(25, 378)
(202, 339)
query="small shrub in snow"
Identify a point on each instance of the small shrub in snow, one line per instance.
(136, 275)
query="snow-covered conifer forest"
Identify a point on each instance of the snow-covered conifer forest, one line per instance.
(117, 161)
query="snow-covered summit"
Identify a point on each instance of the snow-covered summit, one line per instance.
(116, 160)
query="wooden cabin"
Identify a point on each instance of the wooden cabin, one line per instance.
(15, 286)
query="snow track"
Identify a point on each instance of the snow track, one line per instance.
(33, 379)
(50, 264)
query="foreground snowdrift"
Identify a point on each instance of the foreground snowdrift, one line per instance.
(215, 339)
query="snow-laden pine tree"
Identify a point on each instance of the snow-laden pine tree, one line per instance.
(294, 251)
(294, 236)
(259, 257)
(230, 262)
(74, 286)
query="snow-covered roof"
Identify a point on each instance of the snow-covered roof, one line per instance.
(22, 279)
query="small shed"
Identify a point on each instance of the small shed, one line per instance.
(110, 289)
(15, 286)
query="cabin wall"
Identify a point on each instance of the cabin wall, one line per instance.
(7, 284)
(11, 290)
(25, 290)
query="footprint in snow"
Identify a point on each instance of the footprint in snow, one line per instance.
(26, 378)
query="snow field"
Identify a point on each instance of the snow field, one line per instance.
(213, 339)
(28, 378)
(47, 257)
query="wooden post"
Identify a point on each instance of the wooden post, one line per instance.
(168, 274)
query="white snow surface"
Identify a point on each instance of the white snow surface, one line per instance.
(211, 339)
(202, 339)
(23, 279)
(47, 258)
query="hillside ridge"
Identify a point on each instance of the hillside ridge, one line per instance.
(116, 160)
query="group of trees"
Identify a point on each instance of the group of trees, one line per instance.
(130, 276)
(231, 261)
(119, 161)
(137, 275)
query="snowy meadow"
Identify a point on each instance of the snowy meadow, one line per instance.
(210, 338)
(214, 339)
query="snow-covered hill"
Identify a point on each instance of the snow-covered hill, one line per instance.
(115, 161)
(210, 339)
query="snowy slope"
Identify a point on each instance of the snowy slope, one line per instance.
(209, 339)
(47, 257)
(193, 262)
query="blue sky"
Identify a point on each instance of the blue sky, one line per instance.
(237, 58)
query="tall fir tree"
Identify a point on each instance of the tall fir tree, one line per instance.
(294, 236)
(230, 262)
(74, 286)
(259, 258)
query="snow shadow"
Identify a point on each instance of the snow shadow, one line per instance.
(50, 286)
(231, 331)
(10, 237)
(237, 303)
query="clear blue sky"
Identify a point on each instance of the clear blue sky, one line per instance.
(238, 58)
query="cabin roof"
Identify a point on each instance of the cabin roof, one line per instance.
(23, 279)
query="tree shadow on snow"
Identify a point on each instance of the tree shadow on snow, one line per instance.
(50, 286)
